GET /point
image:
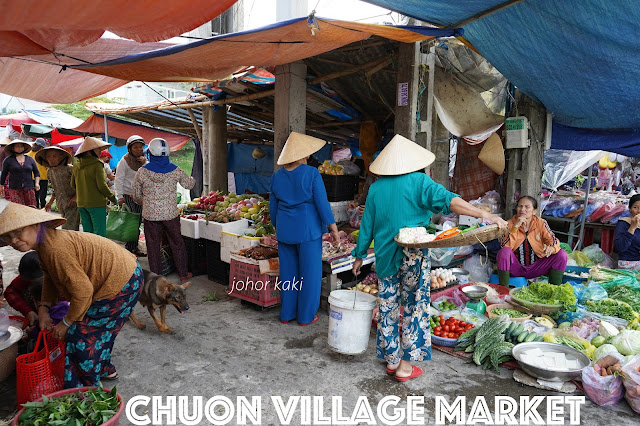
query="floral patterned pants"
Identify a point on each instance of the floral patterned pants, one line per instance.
(411, 286)
(90, 341)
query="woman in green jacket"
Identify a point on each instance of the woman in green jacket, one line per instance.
(404, 196)
(92, 192)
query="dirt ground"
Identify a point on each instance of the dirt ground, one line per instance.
(225, 348)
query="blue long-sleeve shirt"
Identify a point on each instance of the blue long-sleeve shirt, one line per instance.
(395, 202)
(626, 245)
(298, 205)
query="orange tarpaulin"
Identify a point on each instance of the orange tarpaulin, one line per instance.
(120, 130)
(42, 77)
(42, 26)
(276, 44)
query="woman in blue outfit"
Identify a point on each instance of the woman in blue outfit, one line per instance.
(627, 240)
(404, 196)
(301, 214)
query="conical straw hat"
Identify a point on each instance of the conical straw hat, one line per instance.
(89, 144)
(401, 156)
(299, 146)
(9, 147)
(492, 154)
(16, 216)
(43, 162)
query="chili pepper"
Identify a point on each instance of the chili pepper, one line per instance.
(449, 233)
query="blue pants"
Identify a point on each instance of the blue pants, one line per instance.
(301, 264)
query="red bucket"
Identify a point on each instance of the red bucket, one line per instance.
(113, 421)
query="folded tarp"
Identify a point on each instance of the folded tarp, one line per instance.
(53, 117)
(272, 45)
(623, 141)
(43, 26)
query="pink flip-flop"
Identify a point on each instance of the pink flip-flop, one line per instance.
(415, 372)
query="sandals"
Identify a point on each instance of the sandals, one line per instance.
(187, 278)
(112, 376)
(138, 253)
(390, 371)
(415, 372)
(309, 323)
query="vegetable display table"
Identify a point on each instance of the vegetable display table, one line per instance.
(332, 267)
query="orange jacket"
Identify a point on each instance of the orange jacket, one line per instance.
(540, 235)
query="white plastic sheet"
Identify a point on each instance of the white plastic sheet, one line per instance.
(560, 166)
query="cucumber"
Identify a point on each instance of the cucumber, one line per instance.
(565, 324)
(512, 327)
(517, 332)
(522, 336)
(539, 339)
(531, 337)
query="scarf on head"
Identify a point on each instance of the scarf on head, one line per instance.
(160, 164)
(132, 162)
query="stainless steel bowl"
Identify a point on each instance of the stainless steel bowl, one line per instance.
(551, 374)
(475, 291)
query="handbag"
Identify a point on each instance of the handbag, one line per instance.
(123, 224)
(40, 372)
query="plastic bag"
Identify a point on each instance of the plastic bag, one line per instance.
(479, 268)
(618, 322)
(556, 335)
(442, 256)
(569, 316)
(5, 322)
(580, 258)
(354, 217)
(594, 252)
(531, 325)
(464, 250)
(604, 391)
(494, 299)
(437, 304)
(350, 168)
(593, 291)
(471, 316)
(341, 154)
(631, 381)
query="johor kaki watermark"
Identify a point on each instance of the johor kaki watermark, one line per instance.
(248, 284)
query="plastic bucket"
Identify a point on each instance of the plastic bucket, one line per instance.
(350, 314)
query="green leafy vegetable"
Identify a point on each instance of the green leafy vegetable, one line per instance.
(612, 308)
(549, 294)
(624, 293)
(507, 311)
(90, 408)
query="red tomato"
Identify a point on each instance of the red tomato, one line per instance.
(438, 329)
(441, 319)
(446, 328)
(452, 335)
(436, 333)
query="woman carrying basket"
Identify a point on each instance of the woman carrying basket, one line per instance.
(101, 280)
(404, 196)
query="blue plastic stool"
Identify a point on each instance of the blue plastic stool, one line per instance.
(513, 281)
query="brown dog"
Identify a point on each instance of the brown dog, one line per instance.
(158, 292)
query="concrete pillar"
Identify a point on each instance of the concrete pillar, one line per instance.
(437, 136)
(290, 104)
(525, 165)
(407, 90)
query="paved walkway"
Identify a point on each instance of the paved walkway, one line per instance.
(227, 348)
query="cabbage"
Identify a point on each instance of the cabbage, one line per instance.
(603, 350)
(627, 342)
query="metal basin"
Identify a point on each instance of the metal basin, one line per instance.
(547, 373)
(475, 291)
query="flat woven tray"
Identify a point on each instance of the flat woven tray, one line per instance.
(479, 235)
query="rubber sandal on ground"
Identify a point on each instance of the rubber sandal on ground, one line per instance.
(113, 376)
(390, 371)
(309, 323)
(187, 278)
(415, 372)
(285, 322)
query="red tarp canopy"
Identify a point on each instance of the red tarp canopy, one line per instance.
(41, 26)
(95, 124)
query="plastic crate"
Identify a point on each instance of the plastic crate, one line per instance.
(196, 255)
(234, 241)
(247, 283)
(340, 187)
(166, 262)
(217, 270)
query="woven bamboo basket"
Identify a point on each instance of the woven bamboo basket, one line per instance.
(531, 307)
(479, 235)
(490, 313)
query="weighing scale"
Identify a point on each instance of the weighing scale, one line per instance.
(476, 293)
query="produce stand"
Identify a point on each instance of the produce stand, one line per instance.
(332, 267)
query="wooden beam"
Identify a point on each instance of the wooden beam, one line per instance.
(363, 45)
(195, 124)
(343, 95)
(249, 97)
(337, 124)
(353, 70)
(379, 67)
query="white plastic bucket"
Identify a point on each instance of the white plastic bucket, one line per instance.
(350, 314)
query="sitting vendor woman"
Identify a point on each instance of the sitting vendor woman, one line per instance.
(627, 240)
(530, 249)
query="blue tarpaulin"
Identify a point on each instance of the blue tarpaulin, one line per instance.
(625, 142)
(249, 173)
(580, 59)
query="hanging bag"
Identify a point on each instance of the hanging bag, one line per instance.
(40, 372)
(123, 224)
